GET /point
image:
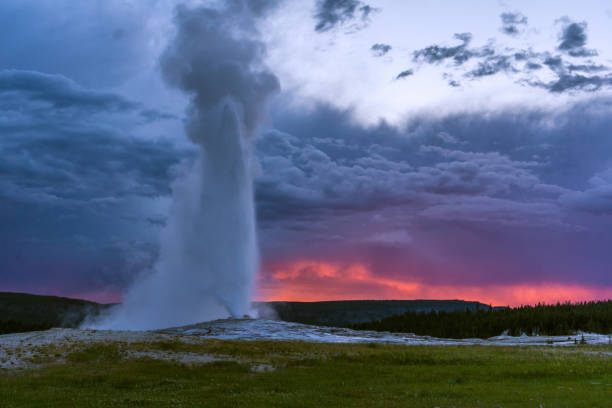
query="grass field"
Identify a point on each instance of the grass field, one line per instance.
(292, 374)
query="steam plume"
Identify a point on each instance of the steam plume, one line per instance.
(209, 258)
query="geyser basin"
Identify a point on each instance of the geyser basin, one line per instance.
(262, 330)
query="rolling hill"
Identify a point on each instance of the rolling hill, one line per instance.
(26, 312)
(349, 312)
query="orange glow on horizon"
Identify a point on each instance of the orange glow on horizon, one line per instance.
(309, 281)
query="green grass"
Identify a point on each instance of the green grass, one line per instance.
(317, 375)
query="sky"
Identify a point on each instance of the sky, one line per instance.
(439, 150)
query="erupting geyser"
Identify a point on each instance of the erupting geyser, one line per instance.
(208, 256)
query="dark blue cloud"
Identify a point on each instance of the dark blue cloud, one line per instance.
(332, 13)
(576, 82)
(435, 54)
(573, 39)
(97, 43)
(75, 182)
(596, 198)
(512, 23)
(75, 190)
(492, 65)
(56, 134)
(513, 195)
(405, 74)
(57, 92)
(329, 184)
(380, 49)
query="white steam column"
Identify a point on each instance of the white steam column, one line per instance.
(208, 255)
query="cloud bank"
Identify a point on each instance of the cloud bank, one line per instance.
(460, 199)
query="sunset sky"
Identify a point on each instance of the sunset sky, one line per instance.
(416, 150)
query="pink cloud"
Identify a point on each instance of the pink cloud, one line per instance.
(309, 280)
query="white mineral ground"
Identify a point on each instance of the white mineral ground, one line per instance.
(20, 350)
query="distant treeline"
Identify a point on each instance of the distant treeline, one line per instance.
(12, 326)
(559, 319)
(344, 313)
(22, 312)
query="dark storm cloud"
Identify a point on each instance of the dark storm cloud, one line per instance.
(379, 49)
(57, 92)
(436, 53)
(59, 148)
(491, 66)
(576, 82)
(530, 65)
(97, 43)
(488, 61)
(315, 179)
(73, 181)
(452, 82)
(405, 74)
(555, 63)
(258, 7)
(86, 175)
(318, 170)
(512, 23)
(470, 191)
(332, 13)
(573, 77)
(44, 91)
(487, 211)
(55, 135)
(573, 38)
(95, 268)
(331, 184)
(596, 198)
(327, 188)
(590, 68)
